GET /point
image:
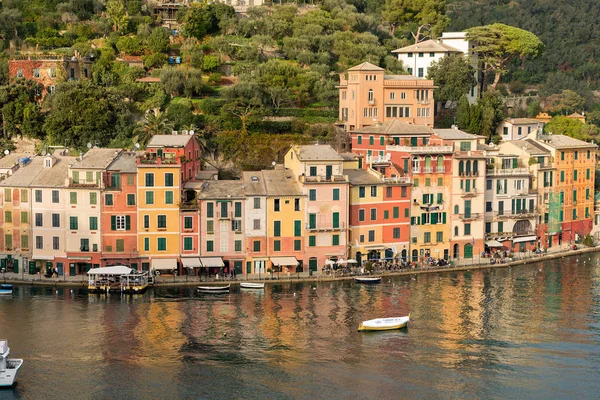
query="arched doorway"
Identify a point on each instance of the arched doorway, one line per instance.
(389, 253)
(404, 255)
(313, 264)
(415, 255)
(522, 227)
(456, 251)
(358, 258)
(468, 250)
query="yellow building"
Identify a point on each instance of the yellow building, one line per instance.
(159, 195)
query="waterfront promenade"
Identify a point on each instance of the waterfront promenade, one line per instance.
(476, 262)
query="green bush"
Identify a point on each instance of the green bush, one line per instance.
(212, 106)
(155, 60)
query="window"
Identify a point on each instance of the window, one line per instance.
(24, 198)
(335, 240)
(421, 54)
(386, 214)
(93, 223)
(187, 222)
(8, 241)
(361, 215)
(84, 245)
(131, 199)
(409, 55)
(162, 244)
(210, 210)
(467, 229)
(562, 155)
(427, 237)
(562, 176)
(371, 140)
(373, 191)
(256, 245)
(38, 196)
(108, 199)
(120, 244)
(420, 72)
(149, 197)
(73, 223)
(55, 243)
(130, 180)
(312, 194)
(73, 197)
(188, 243)
(146, 244)
(162, 221)
(75, 176)
(312, 171)
(312, 221)
(370, 95)
(431, 54)
(39, 219)
(24, 217)
(277, 245)
(297, 245)
(361, 192)
(439, 237)
(392, 96)
(371, 236)
(146, 221)
(336, 194)
(39, 242)
(7, 216)
(256, 224)
(149, 179)
(575, 175)
(257, 203)
(237, 245)
(403, 192)
(210, 226)
(312, 241)
(122, 222)
(396, 232)
(93, 198)
(296, 204)
(576, 155)
(297, 228)
(20, 73)
(169, 197)
(373, 214)
(359, 139)
(55, 196)
(276, 205)
(169, 179)
(276, 228)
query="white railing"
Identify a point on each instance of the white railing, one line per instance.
(420, 149)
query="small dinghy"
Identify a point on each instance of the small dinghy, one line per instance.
(368, 279)
(384, 324)
(6, 288)
(9, 367)
(214, 289)
(252, 285)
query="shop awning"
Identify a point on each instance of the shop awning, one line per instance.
(375, 247)
(116, 270)
(524, 239)
(493, 243)
(45, 258)
(80, 258)
(191, 262)
(286, 261)
(164, 263)
(212, 262)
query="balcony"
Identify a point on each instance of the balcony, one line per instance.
(226, 215)
(191, 205)
(323, 178)
(150, 159)
(326, 227)
(421, 149)
(507, 171)
(112, 188)
(378, 159)
(83, 184)
(468, 173)
(469, 193)
(397, 179)
(428, 170)
(508, 235)
(440, 170)
(470, 217)
(372, 102)
(517, 214)
(425, 101)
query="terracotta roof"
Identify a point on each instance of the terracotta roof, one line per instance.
(361, 177)
(222, 190)
(366, 66)
(395, 127)
(455, 134)
(124, 163)
(97, 158)
(427, 46)
(280, 182)
(575, 115)
(254, 183)
(562, 141)
(522, 121)
(55, 176)
(319, 152)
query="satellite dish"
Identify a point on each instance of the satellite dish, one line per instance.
(137, 145)
(191, 132)
(6, 152)
(273, 163)
(89, 145)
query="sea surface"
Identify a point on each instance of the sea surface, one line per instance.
(527, 332)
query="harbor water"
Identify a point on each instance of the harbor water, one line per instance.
(522, 332)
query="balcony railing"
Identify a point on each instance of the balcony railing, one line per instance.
(379, 159)
(397, 179)
(428, 170)
(112, 188)
(468, 173)
(470, 217)
(508, 171)
(508, 235)
(469, 193)
(517, 214)
(192, 205)
(322, 178)
(326, 227)
(421, 149)
(83, 184)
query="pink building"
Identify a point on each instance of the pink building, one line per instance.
(368, 96)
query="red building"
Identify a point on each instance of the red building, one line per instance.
(168, 148)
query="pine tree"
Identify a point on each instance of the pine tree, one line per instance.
(463, 113)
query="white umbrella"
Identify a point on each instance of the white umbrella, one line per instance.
(329, 262)
(343, 262)
(351, 261)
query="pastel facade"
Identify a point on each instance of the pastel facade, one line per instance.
(368, 96)
(176, 149)
(517, 128)
(256, 222)
(320, 171)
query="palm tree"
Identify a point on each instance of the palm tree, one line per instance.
(154, 123)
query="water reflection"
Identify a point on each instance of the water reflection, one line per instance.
(515, 332)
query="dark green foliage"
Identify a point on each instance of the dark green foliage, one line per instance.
(129, 45)
(454, 76)
(158, 42)
(19, 113)
(463, 113)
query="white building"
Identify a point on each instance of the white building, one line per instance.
(256, 219)
(517, 128)
(418, 57)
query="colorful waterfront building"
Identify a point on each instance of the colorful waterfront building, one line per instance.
(189, 215)
(286, 231)
(49, 214)
(256, 222)
(183, 149)
(379, 215)
(320, 172)
(367, 96)
(84, 191)
(15, 218)
(467, 191)
(222, 242)
(574, 163)
(119, 213)
(159, 184)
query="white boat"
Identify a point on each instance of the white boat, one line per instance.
(6, 288)
(252, 285)
(9, 367)
(217, 289)
(384, 324)
(368, 279)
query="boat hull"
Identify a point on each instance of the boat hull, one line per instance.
(249, 285)
(384, 324)
(5, 292)
(368, 280)
(8, 376)
(214, 289)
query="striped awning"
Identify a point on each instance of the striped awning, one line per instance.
(212, 262)
(164, 263)
(191, 262)
(286, 261)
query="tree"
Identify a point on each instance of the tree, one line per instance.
(561, 125)
(158, 42)
(430, 13)
(19, 112)
(498, 45)
(199, 20)
(566, 102)
(463, 113)
(115, 10)
(454, 76)
(154, 123)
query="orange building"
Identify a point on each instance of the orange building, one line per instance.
(368, 95)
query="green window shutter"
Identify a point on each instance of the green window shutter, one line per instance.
(434, 218)
(336, 240)
(277, 245)
(210, 210)
(73, 197)
(297, 228)
(336, 219)
(127, 223)
(312, 221)
(256, 245)
(312, 241)
(75, 176)
(168, 197)
(297, 245)
(276, 228)
(93, 198)
(93, 223)
(336, 193)
(396, 212)
(187, 243)
(443, 218)
(359, 139)
(418, 220)
(238, 209)
(146, 244)
(386, 214)
(587, 173)
(113, 222)
(515, 163)
(439, 198)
